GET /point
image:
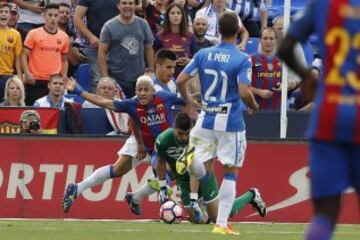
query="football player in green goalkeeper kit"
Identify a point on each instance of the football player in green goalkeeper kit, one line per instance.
(169, 146)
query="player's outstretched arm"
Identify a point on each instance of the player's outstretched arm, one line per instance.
(95, 99)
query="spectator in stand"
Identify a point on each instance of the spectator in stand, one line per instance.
(80, 39)
(55, 98)
(75, 56)
(107, 89)
(45, 54)
(175, 35)
(297, 101)
(198, 41)
(164, 71)
(126, 42)
(10, 49)
(96, 13)
(266, 72)
(249, 11)
(30, 14)
(64, 20)
(14, 19)
(212, 13)
(194, 5)
(14, 95)
(14, 15)
(154, 13)
(183, 4)
(30, 122)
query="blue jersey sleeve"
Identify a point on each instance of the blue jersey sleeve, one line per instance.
(245, 72)
(122, 105)
(192, 67)
(304, 26)
(173, 98)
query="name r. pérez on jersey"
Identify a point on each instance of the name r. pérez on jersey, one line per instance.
(219, 57)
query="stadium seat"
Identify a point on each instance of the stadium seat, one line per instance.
(252, 46)
(95, 121)
(83, 76)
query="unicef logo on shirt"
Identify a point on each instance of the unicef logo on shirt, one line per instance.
(131, 44)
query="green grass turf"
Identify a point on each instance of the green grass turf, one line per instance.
(118, 230)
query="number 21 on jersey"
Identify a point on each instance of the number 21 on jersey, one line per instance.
(217, 79)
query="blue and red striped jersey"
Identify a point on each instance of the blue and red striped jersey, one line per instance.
(266, 74)
(337, 104)
(153, 118)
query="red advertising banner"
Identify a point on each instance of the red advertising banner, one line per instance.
(35, 171)
(10, 119)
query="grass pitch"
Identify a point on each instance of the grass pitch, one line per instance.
(122, 230)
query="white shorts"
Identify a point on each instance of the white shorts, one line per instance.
(228, 147)
(130, 149)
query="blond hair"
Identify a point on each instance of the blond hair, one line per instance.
(15, 79)
(145, 79)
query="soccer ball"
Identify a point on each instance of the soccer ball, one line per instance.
(171, 212)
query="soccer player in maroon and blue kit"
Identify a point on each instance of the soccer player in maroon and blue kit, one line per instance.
(151, 113)
(334, 130)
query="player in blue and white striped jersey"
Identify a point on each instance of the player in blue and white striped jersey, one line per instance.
(225, 76)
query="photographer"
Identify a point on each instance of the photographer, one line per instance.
(30, 122)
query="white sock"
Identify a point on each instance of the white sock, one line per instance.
(99, 176)
(226, 199)
(143, 191)
(197, 169)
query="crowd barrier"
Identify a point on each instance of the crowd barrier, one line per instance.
(34, 172)
(264, 124)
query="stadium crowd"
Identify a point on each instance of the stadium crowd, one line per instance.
(43, 43)
(140, 57)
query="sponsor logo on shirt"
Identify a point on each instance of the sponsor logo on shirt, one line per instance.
(10, 39)
(215, 109)
(154, 119)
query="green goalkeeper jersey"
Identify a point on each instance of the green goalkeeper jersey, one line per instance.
(169, 149)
